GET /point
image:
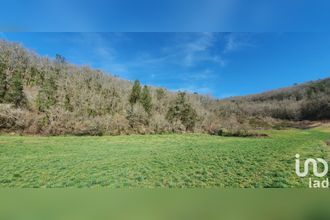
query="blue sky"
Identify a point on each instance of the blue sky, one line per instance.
(218, 64)
(164, 15)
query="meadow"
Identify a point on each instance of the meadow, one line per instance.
(149, 161)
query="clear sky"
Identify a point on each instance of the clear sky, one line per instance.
(218, 64)
(164, 15)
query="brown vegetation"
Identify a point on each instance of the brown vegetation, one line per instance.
(52, 97)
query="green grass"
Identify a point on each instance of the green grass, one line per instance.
(191, 160)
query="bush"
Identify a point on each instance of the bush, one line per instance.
(159, 124)
(211, 125)
(33, 123)
(117, 125)
(238, 133)
(138, 119)
(11, 119)
(316, 108)
(93, 126)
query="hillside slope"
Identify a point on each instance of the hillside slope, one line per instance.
(307, 101)
(39, 95)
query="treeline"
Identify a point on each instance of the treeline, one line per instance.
(39, 95)
(308, 101)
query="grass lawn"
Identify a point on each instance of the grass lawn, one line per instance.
(190, 160)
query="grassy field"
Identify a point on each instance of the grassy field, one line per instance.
(190, 160)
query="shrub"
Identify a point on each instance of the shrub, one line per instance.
(11, 119)
(211, 125)
(159, 124)
(316, 108)
(138, 119)
(118, 125)
(93, 126)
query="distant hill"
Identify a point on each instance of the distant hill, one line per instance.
(39, 95)
(297, 92)
(309, 100)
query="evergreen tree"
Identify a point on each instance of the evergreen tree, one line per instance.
(182, 111)
(46, 96)
(135, 94)
(146, 100)
(15, 93)
(3, 83)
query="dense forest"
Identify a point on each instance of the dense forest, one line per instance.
(46, 96)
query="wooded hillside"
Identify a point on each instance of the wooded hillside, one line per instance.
(39, 95)
(307, 101)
